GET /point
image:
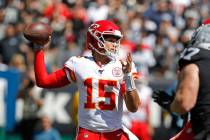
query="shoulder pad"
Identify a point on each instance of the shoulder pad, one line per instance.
(192, 55)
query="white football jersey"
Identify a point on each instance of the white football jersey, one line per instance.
(100, 101)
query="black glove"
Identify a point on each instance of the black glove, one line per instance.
(163, 99)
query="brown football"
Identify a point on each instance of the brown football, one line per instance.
(38, 33)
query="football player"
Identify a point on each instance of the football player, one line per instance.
(193, 89)
(102, 79)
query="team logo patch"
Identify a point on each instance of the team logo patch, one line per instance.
(117, 72)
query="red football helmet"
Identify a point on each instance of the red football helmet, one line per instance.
(96, 37)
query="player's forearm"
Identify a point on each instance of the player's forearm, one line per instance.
(187, 90)
(132, 100)
(43, 79)
(178, 108)
(131, 97)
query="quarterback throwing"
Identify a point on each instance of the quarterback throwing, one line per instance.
(103, 81)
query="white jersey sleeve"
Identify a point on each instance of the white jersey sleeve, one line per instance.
(70, 69)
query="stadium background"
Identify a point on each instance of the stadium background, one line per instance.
(155, 31)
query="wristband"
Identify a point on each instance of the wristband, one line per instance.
(129, 82)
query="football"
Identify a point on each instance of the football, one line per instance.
(38, 33)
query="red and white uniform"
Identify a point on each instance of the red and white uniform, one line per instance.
(100, 87)
(100, 101)
(138, 122)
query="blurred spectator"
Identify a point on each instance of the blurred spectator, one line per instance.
(97, 10)
(117, 10)
(3, 67)
(9, 45)
(159, 51)
(191, 22)
(148, 33)
(192, 18)
(2, 3)
(204, 8)
(46, 132)
(144, 59)
(170, 34)
(157, 9)
(133, 26)
(167, 29)
(79, 11)
(180, 5)
(18, 62)
(59, 9)
(11, 12)
(31, 107)
(2, 24)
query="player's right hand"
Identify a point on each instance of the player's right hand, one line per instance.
(163, 99)
(37, 46)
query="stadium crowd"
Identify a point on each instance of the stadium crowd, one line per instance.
(155, 32)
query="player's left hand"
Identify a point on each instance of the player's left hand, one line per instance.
(127, 64)
(163, 99)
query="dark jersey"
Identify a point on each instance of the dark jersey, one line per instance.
(200, 114)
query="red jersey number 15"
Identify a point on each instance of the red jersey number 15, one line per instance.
(101, 93)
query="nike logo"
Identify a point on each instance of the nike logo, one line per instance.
(100, 71)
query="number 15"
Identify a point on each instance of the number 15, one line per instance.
(101, 93)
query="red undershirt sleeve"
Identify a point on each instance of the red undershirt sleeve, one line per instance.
(56, 79)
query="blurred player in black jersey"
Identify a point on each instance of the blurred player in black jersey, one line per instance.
(193, 89)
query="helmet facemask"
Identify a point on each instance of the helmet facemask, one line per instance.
(113, 52)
